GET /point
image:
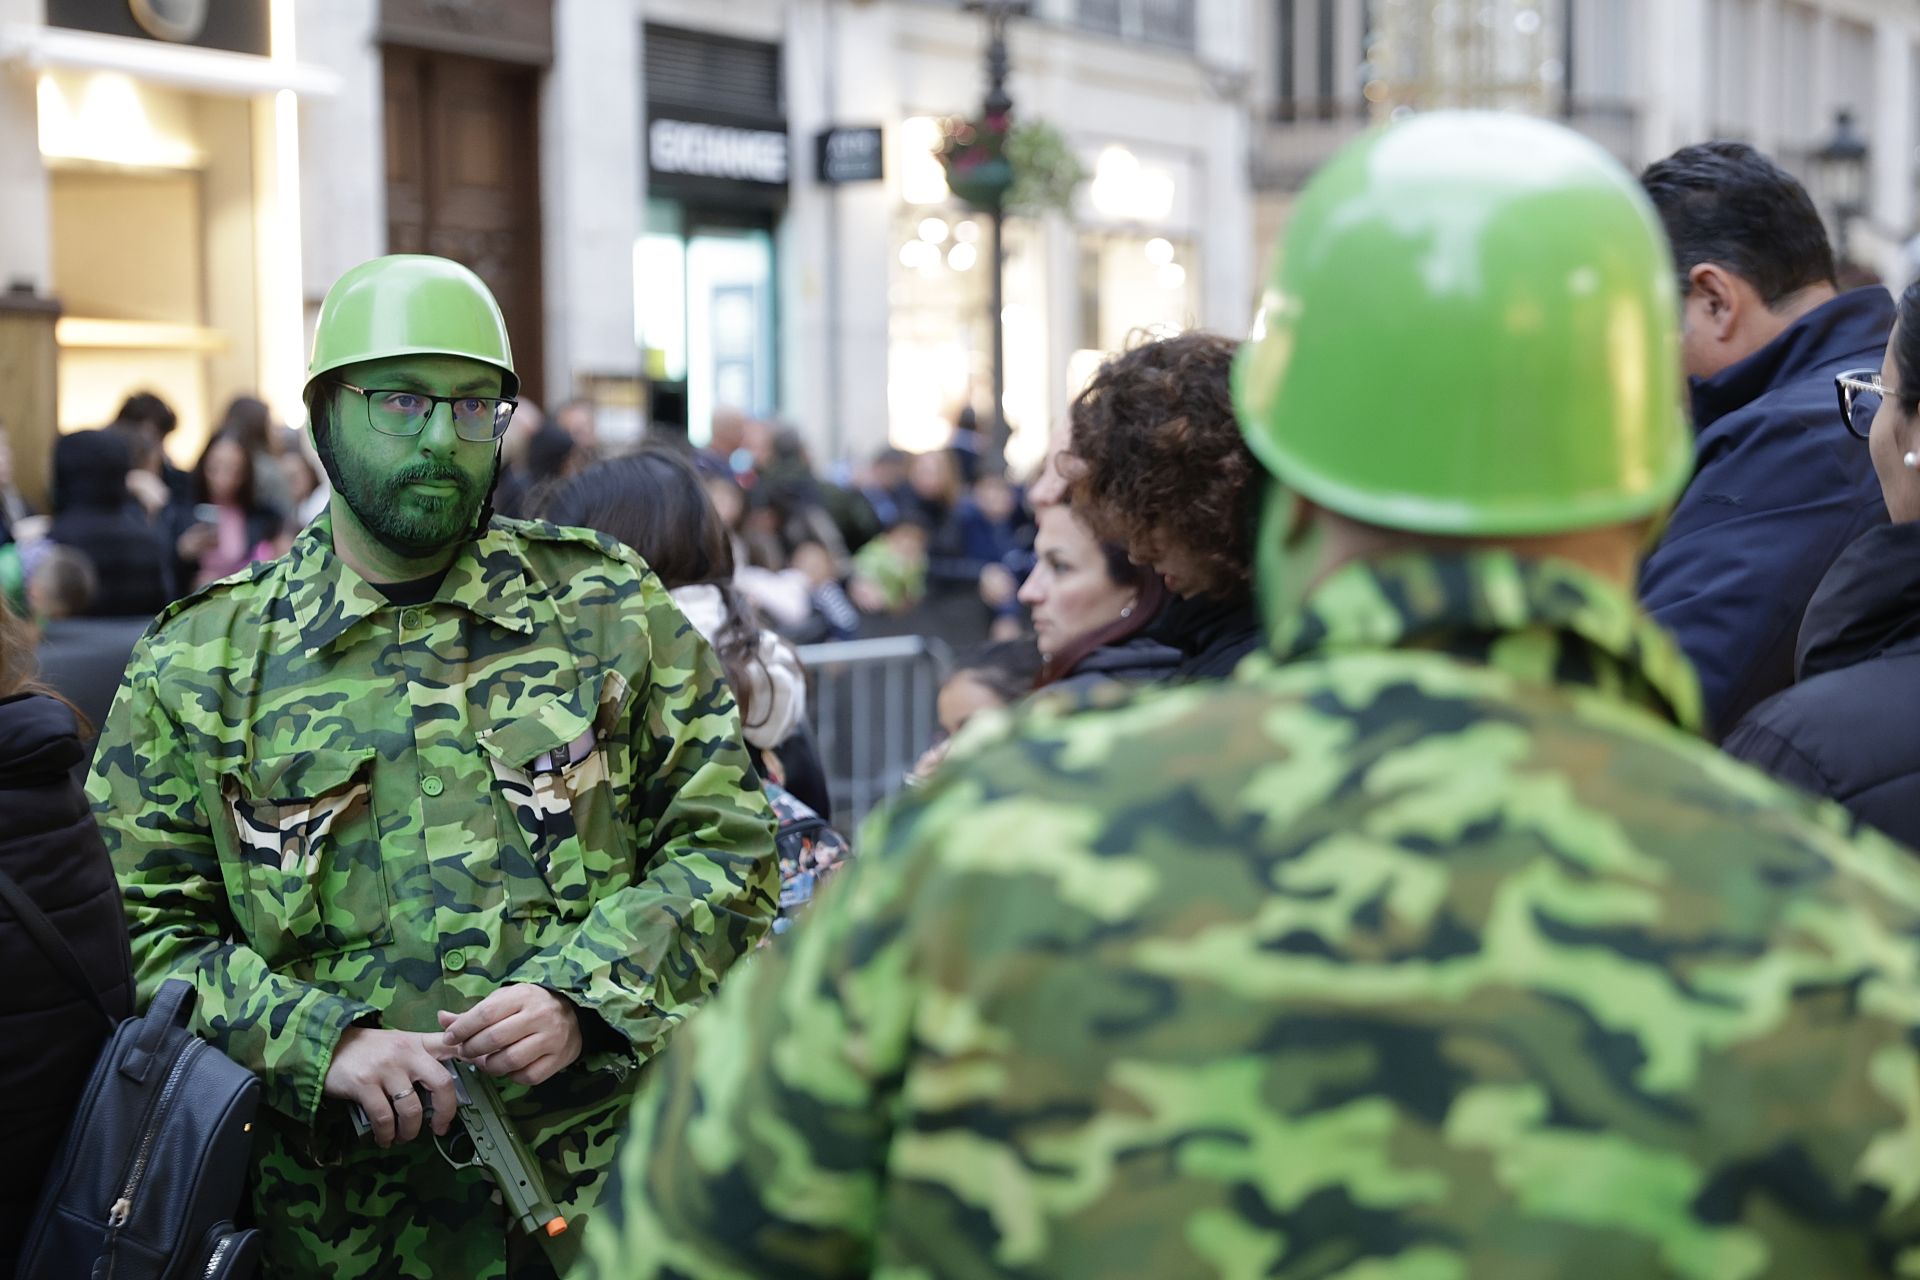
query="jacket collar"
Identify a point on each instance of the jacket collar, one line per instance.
(38, 739)
(488, 579)
(1193, 624)
(1544, 621)
(1854, 322)
(1867, 605)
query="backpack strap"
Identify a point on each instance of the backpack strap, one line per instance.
(172, 1008)
(51, 944)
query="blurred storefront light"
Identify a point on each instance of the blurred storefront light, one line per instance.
(1124, 188)
(962, 257)
(933, 230)
(102, 118)
(922, 181)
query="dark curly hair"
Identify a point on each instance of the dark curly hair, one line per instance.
(1158, 460)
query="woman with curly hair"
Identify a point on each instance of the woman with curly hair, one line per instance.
(1158, 466)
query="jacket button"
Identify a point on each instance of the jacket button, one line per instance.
(412, 619)
(431, 785)
(456, 960)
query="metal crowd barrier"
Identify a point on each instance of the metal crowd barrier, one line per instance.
(872, 706)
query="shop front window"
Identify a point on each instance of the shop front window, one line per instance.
(704, 310)
(1131, 287)
(940, 352)
(158, 236)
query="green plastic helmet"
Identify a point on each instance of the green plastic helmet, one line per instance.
(1472, 329)
(410, 304)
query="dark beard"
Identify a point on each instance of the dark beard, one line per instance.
(377, 502)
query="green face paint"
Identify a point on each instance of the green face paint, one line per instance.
(415, 495)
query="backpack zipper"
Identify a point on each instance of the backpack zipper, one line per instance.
(123, 1207)
(219, 1252)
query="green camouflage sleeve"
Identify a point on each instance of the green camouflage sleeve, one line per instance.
(149, 812)
(646, 955)
(759, 1144)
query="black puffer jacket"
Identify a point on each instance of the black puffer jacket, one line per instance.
(1846, 731)
(1138, 660)
(1211, 635)
(50, 1034)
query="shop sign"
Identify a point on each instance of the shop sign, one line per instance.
(849, 154)
(717, 151)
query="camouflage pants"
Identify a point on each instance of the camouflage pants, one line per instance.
(400, 1214)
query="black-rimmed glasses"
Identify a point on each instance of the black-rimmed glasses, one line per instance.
(1860, 397)
(480, 419)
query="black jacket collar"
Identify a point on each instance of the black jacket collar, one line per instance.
(1854, 321)
(1211, 635)
(1867, 605)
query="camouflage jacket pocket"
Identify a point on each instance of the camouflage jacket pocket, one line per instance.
(557, 774)
(301, 831)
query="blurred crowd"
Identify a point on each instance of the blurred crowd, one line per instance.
(128, 532)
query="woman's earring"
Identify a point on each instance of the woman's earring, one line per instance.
(1128, 611)
(1911, 461)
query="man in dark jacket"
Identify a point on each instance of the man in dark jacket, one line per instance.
(148, 416)
(1779, 488)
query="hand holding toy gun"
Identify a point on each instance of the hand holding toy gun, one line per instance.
(497, 1148)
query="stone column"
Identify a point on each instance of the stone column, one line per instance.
(28, 397)
(29, 408)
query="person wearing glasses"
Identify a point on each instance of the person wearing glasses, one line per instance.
(1845, 731)
(1777, 491)
(432, 785)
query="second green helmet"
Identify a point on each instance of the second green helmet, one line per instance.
(410, 304)
(1472, 329)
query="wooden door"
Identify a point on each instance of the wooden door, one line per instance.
(463, 180)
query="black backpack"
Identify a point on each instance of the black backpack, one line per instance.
(154, 1162)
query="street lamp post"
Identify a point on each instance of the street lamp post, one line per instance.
(1843, 174)
(997, 106)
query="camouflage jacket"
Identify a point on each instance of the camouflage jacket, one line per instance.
(327, 810)
(1433, 950)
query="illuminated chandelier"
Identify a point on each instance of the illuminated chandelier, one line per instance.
(1425, 55)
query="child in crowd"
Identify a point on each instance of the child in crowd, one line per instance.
(830, 603)
(993, 676)
(890, 573)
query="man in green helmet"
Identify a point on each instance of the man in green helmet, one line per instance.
(1432, 946)
(431, 785)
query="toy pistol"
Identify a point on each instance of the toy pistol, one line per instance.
(497, 1148)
